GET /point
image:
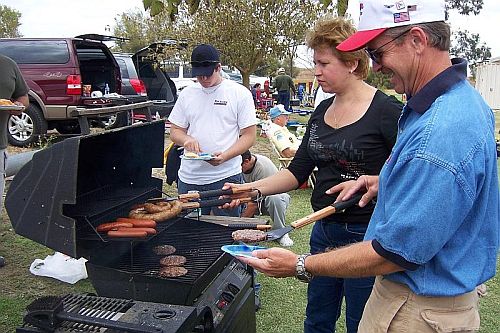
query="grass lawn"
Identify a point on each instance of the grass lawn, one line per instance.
(283, 300)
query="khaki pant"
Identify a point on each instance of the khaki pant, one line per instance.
(394, 308)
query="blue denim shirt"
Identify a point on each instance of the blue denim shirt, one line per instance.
(437, 212)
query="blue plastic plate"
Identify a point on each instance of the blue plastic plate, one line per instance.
(202, 157)
(241, 250)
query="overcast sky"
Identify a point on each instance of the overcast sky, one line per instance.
(59, 18)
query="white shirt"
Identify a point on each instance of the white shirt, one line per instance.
(214, 117)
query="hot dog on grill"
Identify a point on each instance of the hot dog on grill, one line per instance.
(113, 225)
(149, 231)
(127, 233)
(137, 222)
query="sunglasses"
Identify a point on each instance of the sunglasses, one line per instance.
(203, 63)
(376, 55)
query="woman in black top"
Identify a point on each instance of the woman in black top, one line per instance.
(348, 135)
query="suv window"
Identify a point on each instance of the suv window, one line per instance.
(91, 54)
(123, 67)
(36, 51)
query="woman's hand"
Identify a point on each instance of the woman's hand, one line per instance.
(236, 197)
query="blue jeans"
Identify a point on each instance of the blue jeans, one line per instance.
(284, 98)
(324, 294)
(237, 179)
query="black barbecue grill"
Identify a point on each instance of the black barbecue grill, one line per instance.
(61, 196)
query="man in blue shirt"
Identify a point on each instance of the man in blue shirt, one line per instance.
(434, 234)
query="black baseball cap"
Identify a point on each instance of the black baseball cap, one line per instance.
(204, 59)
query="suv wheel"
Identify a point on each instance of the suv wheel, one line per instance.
(117, 120)
(27, 127)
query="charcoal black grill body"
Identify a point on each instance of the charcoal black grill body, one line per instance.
(60, 197)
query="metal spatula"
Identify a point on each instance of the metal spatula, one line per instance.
(328, 210)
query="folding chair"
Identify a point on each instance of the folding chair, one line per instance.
(284, 162)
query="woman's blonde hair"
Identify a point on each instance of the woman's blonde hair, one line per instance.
(329, 32)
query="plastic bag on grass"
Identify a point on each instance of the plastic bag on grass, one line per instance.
(61, 267)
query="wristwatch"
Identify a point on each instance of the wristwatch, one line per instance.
(300, 268)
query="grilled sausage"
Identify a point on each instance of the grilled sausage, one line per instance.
(150, 231)
(176, 208)
(113, 225)
(137, 222)
(127, 233)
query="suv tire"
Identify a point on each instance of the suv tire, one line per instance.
(26, 128)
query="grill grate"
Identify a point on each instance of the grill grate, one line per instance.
(199, 242)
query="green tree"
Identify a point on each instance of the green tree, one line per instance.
(140, 30)
(248, 33)
(9, 22)
(467, 45)
(170, 7)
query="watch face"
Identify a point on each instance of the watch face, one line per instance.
(303, 278)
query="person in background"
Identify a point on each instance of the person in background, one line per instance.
(214, 116)
(434, 234)
(300, 93)
(256, 94)
(284, 141)
(283, 84)
(348, 135)
(14, 88)
(256, 167)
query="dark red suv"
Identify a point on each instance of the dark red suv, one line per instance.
(56, 69)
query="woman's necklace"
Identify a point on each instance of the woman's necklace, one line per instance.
(336, 122)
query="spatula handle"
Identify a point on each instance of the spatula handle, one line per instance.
(327, 211)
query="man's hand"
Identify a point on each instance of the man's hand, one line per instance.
(349, 188)
(191, 144)
(274, 262)
(218, 159)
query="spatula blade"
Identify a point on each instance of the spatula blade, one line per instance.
(278, 233)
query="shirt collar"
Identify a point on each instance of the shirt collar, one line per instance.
(439, 85)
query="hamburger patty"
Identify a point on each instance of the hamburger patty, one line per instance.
(164, 250)
(172, 271)
(173, 261)
(249, 235)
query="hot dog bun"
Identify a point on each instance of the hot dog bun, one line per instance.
(4, 101)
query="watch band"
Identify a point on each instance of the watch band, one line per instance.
(301, 273)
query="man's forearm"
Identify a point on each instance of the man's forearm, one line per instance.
(352, 261)
(178, 135)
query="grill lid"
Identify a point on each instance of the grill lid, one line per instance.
(46, 199)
